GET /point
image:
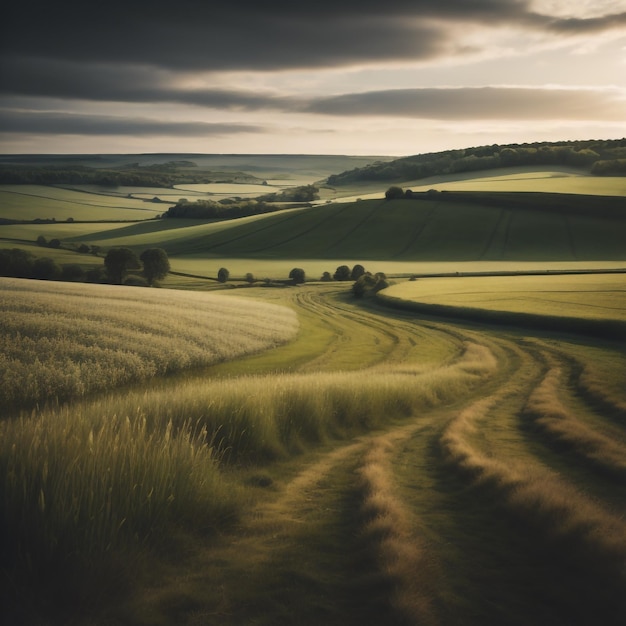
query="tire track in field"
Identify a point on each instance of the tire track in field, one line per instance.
(586, 533)
(479, 472)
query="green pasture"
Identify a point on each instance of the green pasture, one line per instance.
(587, 296)
(30, 202)
(519, 179)
(560, 180)
(396, 231)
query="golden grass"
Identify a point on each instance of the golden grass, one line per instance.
(62, 340)
(545, 502)
(546, 409)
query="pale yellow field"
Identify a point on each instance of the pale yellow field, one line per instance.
(62, 340)
(591, 296)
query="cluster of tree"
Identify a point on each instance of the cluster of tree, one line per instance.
(612, 167)
(18, 263)
(153, 262)
(369, 284)
(343, 273)
(306, 193)
(162, 175)
(209, 209)
(583, 154)
(119, 261)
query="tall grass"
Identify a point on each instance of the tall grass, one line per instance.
(88, 480)
(546, 409)
(61, 341)
(576, 526)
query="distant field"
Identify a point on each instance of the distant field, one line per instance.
(396, 231)
(554, 180)
(548, 181)
(29, 202)
(593, 304)
(593, 296)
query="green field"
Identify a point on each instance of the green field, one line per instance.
(456, 458)
(593, 296)
(29, 202)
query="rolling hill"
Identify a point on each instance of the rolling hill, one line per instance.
(431, 227)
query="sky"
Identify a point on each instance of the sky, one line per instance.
(366, 77)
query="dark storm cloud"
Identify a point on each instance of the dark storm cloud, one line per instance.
(70, 124)
(108, 83)
(477, 104)
(247, 34)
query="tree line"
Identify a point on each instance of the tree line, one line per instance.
(231, 208)
(153, 264)
(601, 158)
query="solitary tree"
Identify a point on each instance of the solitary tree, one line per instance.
(250, 278)
(297, 275)
(326, 277)
(394, 193)
(118, 261)
(156, 265)
(223, 275)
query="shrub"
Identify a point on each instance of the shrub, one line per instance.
(326, 277)
(42, 241)
(250, 278)
(136, 281)
(54, 243)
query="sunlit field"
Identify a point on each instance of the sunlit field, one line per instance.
(62, 340)
(29, 202)
(599, 297)
(378, 466)
(448, 452)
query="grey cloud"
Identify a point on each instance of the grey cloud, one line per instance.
(72, 124)
(247, 34)
(503, 103)
(50, 78)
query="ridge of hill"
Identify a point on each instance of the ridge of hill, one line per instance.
(440, 226)
(599, 157)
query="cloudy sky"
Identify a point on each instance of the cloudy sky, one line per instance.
(370, 77)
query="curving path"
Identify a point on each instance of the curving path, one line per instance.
(501, 504)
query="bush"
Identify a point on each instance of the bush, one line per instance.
(136, 281)
(326, 277)
(250, 278)
(54, 243)
(42, 241)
